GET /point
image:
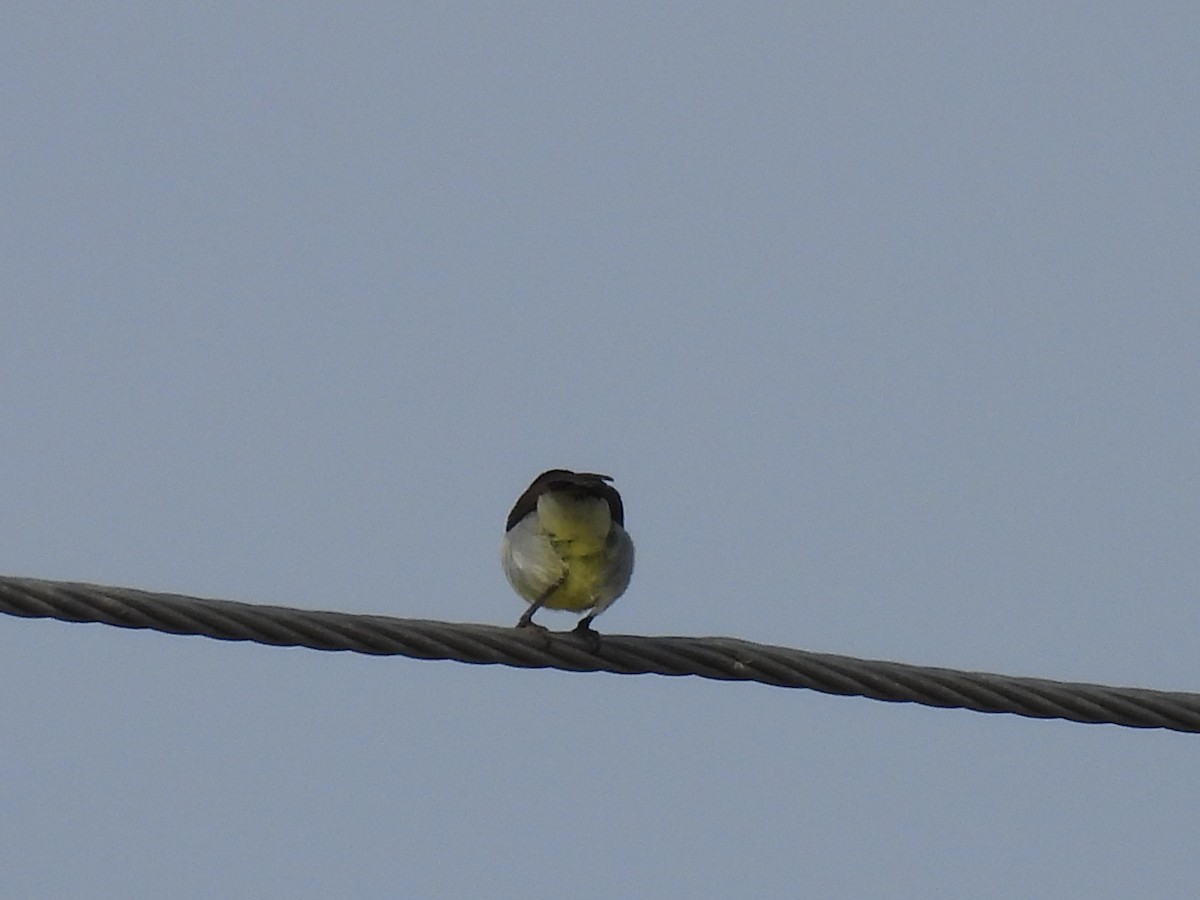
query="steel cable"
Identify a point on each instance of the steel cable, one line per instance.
(725, 659)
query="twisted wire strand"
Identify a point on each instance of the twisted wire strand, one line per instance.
(725, 659)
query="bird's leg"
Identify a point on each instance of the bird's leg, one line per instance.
(526, 620)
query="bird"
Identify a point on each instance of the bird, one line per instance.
(565, 546)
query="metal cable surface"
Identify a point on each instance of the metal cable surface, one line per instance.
(726, 659)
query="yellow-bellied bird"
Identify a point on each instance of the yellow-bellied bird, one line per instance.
(566, 546)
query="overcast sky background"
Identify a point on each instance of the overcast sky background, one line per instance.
(885, 317)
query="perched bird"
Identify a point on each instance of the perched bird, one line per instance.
(566, 547)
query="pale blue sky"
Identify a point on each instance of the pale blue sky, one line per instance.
(885, 318)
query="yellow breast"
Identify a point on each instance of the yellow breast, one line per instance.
(578, 526)
(578, 529)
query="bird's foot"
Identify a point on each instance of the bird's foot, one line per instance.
(586, 633)
(540, 634)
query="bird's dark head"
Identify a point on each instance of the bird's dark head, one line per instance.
(579, 484)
